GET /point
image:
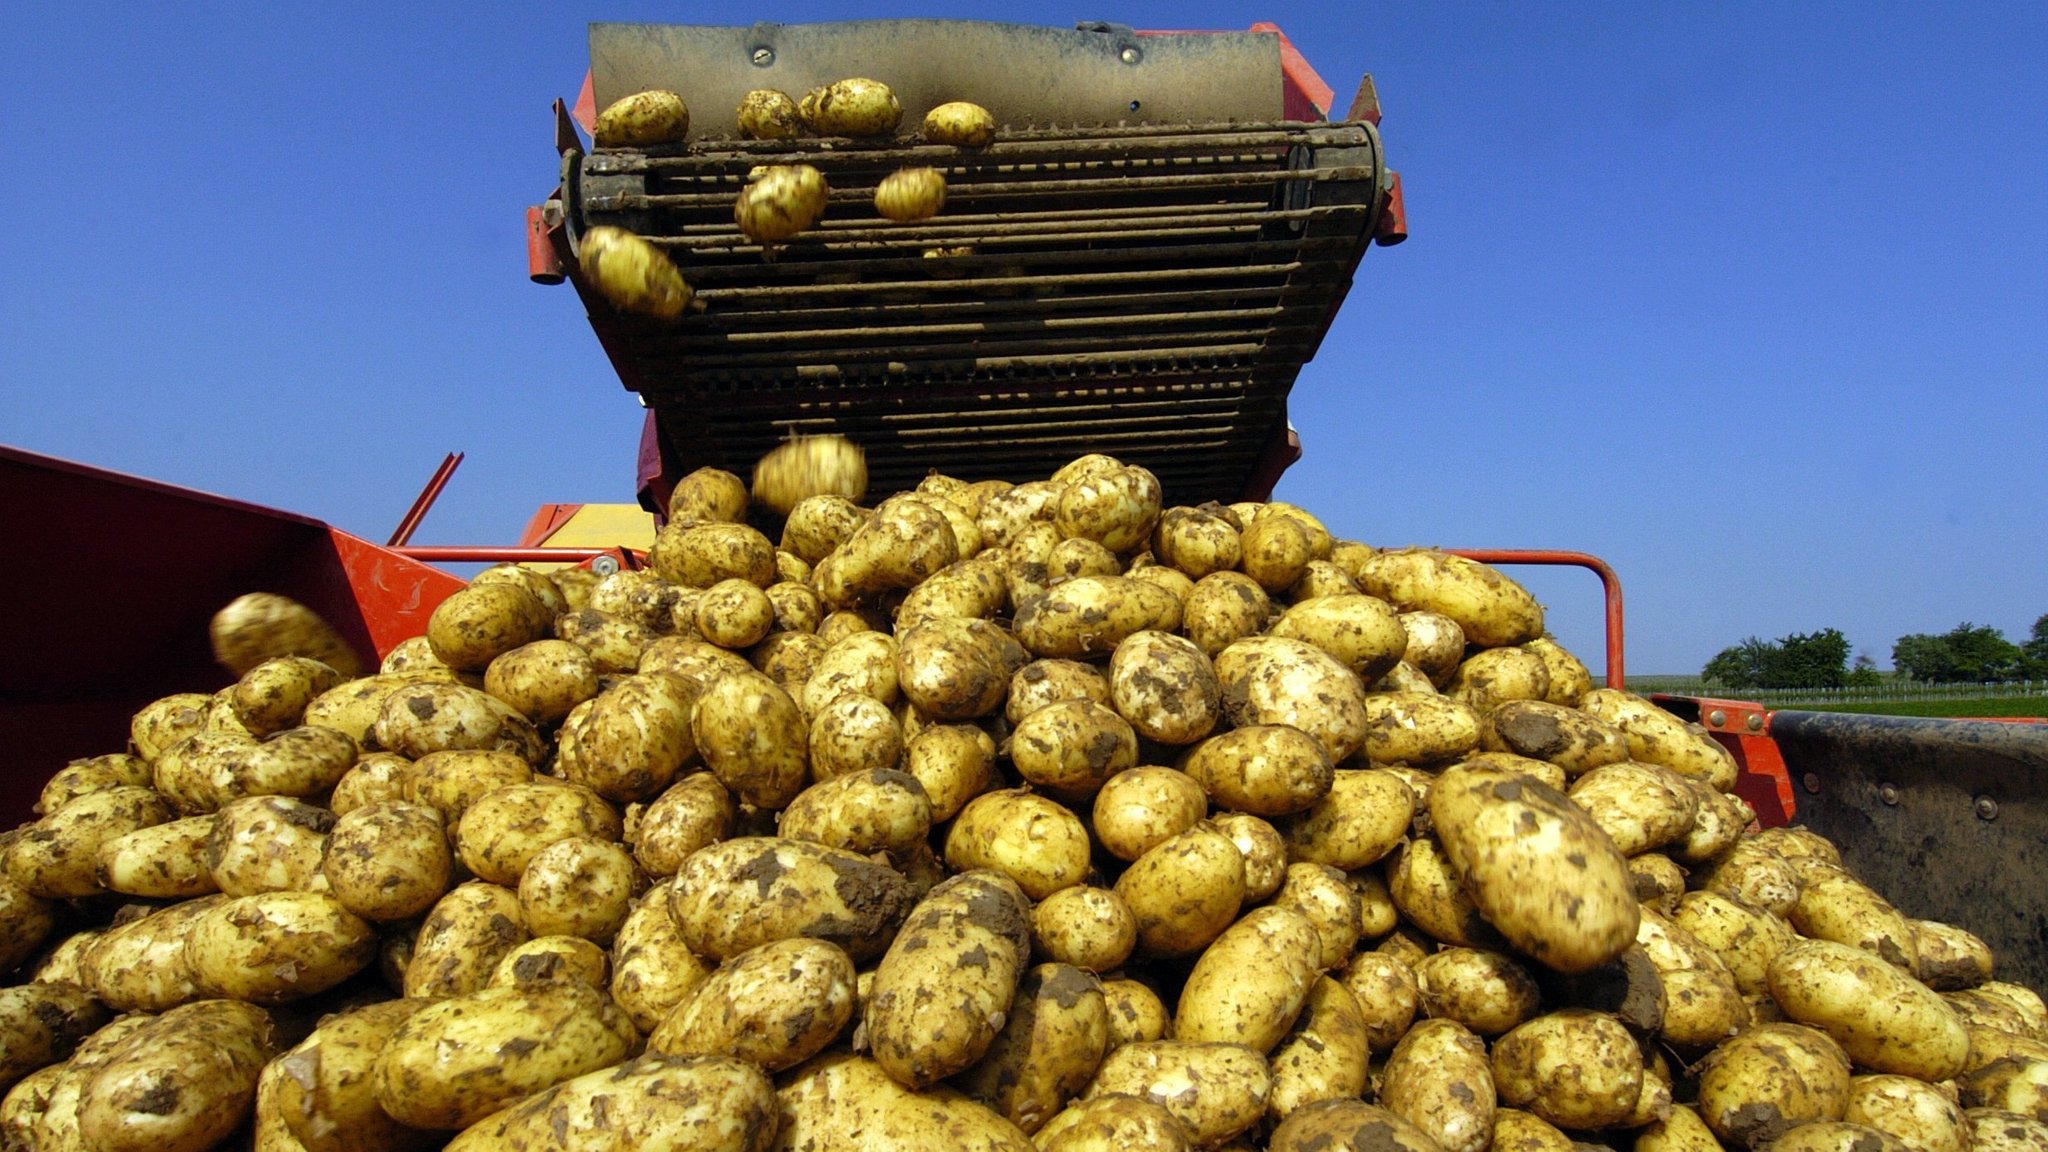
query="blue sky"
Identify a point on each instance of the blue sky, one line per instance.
(1750, 300)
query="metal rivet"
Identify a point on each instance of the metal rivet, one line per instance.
(1717, 717)
(1755, 723)
(1131, 55)
(604, 565)
(764, 56)
(1889, 793)
(1812, 781)
(1987, 808)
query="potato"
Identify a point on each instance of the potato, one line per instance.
(262, 625)
(954, 762)
(876, 810)
(652, 969)
(1569, 678)
(449, 782)
(1037, 844)
(1769, 1079)
(1224, 607)
(911, 194)
(656, 116)
(1184, 892)
(1276, 552)
(1913, 1112)
(1116, 507)
(1438, 1079)
(1265, 853)
(454, 1062)
(578, 886)
(2016, 1084)
(57, 857)
(854, 734)
(1091, 615)
(324, 1096)
(1640, 806)
(1196, 542)
(1425, 887)
(2024, 1000)
(1325, 1056)
(1326, 898)
(546, 958)
(768, 114)
(25, 921)
(1486, 992)
(162, 862)
(934, 1011)
(1348, 1126)
(1564, 736)
(846, 1103)
(268, 844)
(1494, 676)
(1883, 1018)
(41, 1023)
(951, 669)
(1136, 1014)
(421, 719)
(1251, 982)
(376, 778)
(1753, 873)
(1217, 1090)
(1721, 822)
(1573, 1068)
(1165, 687)
(1362, 632)
(778, 202)
(1417, 728)
(774, 1006)
(1050, 1045)
(1538, 868)
(1265, 770)
(1657, 737)
(180, 1084)
(1835, 906)
(504, 829)
(139, 965)
(462, 939)
(1140, 807)
(1703, 1005)
(1436, 645)
(959, 123)
(906, 541)
(1363, 816)
(273, 695)
(1949, 957)
(1835, 1136)
(93, 774)
(1489, 608)
(543, 680)
(482, 622)
(1274, 680)
(1043, 682)
(742, 893)
(752, 736)
(275, 947)
(712, 1103)
(614, 643)
(1088, 928)
(856, 106)
(1072, 748)
(1745, 938)
(809, 466)
(1993, 1130)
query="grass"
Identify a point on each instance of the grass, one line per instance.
(1998, 706)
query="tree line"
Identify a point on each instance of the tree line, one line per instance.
(1967, 653)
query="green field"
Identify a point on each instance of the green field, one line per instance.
(1999, 706)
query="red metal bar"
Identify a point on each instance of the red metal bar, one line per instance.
(543, 264)
(1393, 223)
(488, 554)
(1609, 582)
(425, 500)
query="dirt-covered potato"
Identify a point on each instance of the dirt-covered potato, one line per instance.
(543, 680)
(840, 1102)
(1573, 1068)
(272, 696)
(1043, 682)
(769, 114)
(1073, 747)
(41, 1023)
(774, 1006)
(1265, 852)
(482, 622)
(1438, 1079)
(748, 891)
(1089, 928)
(1140, 807)
(632, 273)
(1487, 992)
(263, 625)
(810, 466)
(1882, 1017)
(1033, 841)
(462, 939)
(1561, 735)
(1640, 806)
(1091, 615)
(1753, 873)
(1217, 1090)
(1424, 886)
(578, 886)
(1494, 676)
(275, 947)
(1136, 1014)
(140, 965)
(1196, 542)
(653, 970)
(1363, 816)
(454, 1062)
(506, 828)
(1348, 1125)
(1657, 737)
(1492, 610)
(268, 844)
(162, 862)
(182, 1083)
(1223, 608)
(1264, 770)
(1744, 937)
(753, 737)
(1251, 982)
(1325, 1056)
(1913, 1112)
(866, 811)
(57, 857)
(1538, 868)
(1836, 906)
(854, 734)
(713, 1103)
(934, 1013)
(905, 541)
(324, 1096)
(656, 116)
(1949, 958)
(959, 123)
(856, 106)
(954, 762)
(1165, 687)
(911, 194)
(1769, 1079)
(1050, 1045)
(420, 719)
(93, 774)
(1184, 892)
(1703, 1005)
(546, 958)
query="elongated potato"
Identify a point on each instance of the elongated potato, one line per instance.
(1913, 1112)
(325, 1097)
(1275, 680)
(1657, 737)
(1251, 982)
(1348, 1126)
(1073, 747)
(1326, 1056)
(774, 1006)
(1562, 735)
(162, 861)
(1438, 1079)
(840, 1102)
(1487, 992)
(263, 625)
(1492, 610)
(1218, 1090)
(916, 1028)
(748, 891)
(1091, 615)
(1538, 868)
(272, 696)
(1418, 728)
(1184, 892)
(1363, 816)
(1883, 1018)
(873, 810)
(707, 1103)
(1165, 687)
(275, 947)
(57, 857)
(1054, 1038)
(1113, 1123)
(182, 1083)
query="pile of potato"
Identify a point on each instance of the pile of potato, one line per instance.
(992, 817)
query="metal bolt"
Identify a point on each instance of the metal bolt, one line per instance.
(604, 565)
(1987, 808)
(1889, 793)
(1812, 781)
(1131, 56)
(764, 56)
(1755, 723)
(1717, 717)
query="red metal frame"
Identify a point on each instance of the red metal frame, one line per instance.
(1610, 585)
(425, 500)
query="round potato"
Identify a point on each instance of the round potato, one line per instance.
(1088, 928)
(263, 626)
(388, 861)
(1573, 1068)
(1184, 892)
(748, 891)
(1033, 841)
(1139, 807)
(578, 886)
(462, 939)
(505, 829)
(1769, 1079)
(1486, 992)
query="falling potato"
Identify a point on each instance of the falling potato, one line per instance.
(909, 194)
(810, 466)
(780, 201)
(633, 274)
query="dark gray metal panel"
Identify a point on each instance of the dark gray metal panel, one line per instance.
(1023, 75)
(1947, 818)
